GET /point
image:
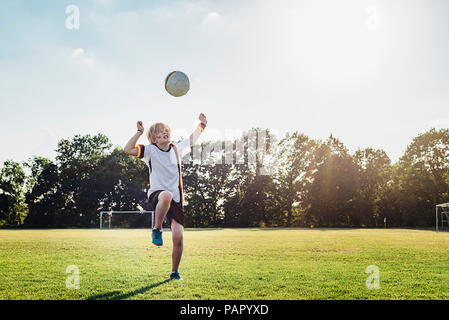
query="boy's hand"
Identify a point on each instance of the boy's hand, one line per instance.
(203, 118)
(140, 126)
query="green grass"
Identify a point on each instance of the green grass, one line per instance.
(226, 264)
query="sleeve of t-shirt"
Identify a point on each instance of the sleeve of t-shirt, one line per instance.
(183, 147)
(143, 153)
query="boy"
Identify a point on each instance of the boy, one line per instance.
(165, 195)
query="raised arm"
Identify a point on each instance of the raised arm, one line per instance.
(130, 147)
(199, 129)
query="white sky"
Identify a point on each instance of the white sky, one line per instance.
(372, 73)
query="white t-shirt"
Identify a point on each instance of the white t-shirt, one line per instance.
(163, 167)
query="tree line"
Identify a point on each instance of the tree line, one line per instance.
(311, 183)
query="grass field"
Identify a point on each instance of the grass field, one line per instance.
(226, 264)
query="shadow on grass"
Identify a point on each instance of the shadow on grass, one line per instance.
(324, 229)
(203, 229)
(117, 295)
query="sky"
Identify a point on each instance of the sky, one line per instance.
(373, 73)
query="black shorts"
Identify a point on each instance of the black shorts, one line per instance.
(175, 212)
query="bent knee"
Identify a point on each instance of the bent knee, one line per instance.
(165, 196)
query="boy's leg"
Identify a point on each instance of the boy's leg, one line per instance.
(178, 243)
(162, 207)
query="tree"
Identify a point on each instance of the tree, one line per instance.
(422, 172)
(80, 160)
(123, 181)
(250, 199)
(332, 189)
(293, 171)
(44, 196)
(374, 172)
(13, 208)
(206, 184)
(308, 182)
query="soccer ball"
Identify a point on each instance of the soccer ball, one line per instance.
(177, 83)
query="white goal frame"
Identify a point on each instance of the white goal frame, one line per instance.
(444, 215)
(110, 213)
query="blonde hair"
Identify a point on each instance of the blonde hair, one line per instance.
(154, 129)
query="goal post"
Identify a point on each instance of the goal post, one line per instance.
(441, 215)
(109, 214)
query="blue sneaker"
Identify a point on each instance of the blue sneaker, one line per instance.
(174, 275)
(157, 237)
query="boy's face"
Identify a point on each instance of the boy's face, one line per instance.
(163, 136)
